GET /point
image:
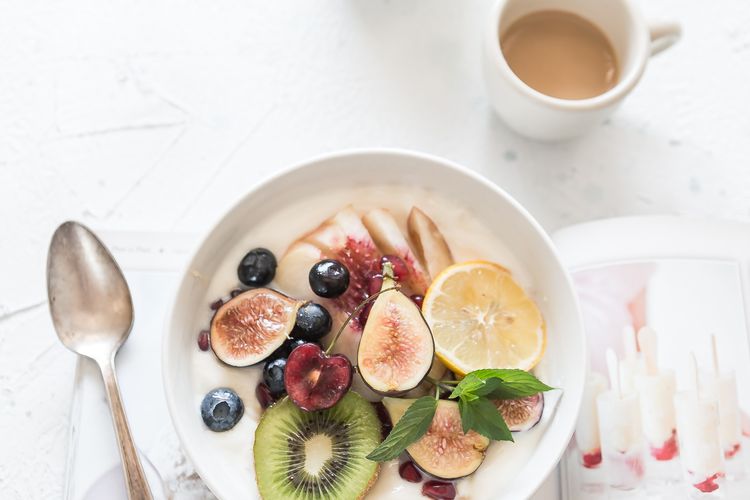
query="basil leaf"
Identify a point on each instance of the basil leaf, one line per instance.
(482, 416)
(412, 426)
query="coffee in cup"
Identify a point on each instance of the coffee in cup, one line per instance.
(560, 54)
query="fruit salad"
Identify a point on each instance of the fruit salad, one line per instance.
(382, 362)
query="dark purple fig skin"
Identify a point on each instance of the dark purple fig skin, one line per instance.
(530, 420)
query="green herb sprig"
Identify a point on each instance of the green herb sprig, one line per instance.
(475, 394)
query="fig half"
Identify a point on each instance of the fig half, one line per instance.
(444, 451)
(249, 327)
(396, 349)
(522, 414)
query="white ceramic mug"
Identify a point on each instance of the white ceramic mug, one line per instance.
(543, 117)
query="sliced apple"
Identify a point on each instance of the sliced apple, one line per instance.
(444, 451)
(429, 243)
(390, 240)
(294, 267)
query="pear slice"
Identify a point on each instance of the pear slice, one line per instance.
(429, 243)
(444, 451)
(396, 349)
(391, 241)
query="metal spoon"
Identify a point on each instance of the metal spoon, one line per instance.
(92, 312)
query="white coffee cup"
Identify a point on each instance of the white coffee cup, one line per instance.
(543, 117)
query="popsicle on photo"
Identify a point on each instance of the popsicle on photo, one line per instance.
(632, 364)
(722, 385)
(697, 416)
(620, 432)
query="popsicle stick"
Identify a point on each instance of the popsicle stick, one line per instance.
(693, 374)
(715, 354)
(614, 372)
(649, 346)
(629, 343)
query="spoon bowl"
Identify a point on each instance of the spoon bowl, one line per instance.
(92, 312)
(89, 298)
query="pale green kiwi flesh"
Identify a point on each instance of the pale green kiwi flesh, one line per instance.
(283, 435)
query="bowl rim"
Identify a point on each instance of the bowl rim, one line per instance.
(575, 392)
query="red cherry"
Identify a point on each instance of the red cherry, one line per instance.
(374, 284)
(314, 380)
(417, 299)
(439, 490)
(263, 393)
(400, 269)
(409, 472)
(204, 340)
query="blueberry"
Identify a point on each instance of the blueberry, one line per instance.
(329, 278)
(313, 322)
(221, 409)
(257, 268)
(273, 376)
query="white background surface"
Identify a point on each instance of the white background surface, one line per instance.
(155, 115)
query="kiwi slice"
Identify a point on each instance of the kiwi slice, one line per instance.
(302, 455)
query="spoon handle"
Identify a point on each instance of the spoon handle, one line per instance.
(135, 479)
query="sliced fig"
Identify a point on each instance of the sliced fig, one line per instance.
(252, 325)
(390, 240)
(429, 243)
(396, 349)
(444, 451)
(522, 414)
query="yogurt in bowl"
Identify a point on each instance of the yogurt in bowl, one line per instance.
(478, 220)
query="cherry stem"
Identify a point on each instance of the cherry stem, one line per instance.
(354, 313)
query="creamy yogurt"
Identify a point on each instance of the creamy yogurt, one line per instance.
(468, 239)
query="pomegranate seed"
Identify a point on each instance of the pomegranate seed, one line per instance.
(439, 490)
(374, 284)
(385, 419)
(204, 340)
(409, 472)
(263, 393)
(417, 299)
(400, 270)
(217, 304)
(364, 314)
(235, 292)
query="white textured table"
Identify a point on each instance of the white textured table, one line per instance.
(156, 115)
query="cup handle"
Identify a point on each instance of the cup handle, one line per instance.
(663, 35)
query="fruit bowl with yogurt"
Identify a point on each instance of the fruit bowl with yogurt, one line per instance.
(379, 324)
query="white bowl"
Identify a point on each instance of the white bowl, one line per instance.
(563, 365)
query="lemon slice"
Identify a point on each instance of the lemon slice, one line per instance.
(481, 318)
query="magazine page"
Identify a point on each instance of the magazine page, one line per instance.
(667, 396)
